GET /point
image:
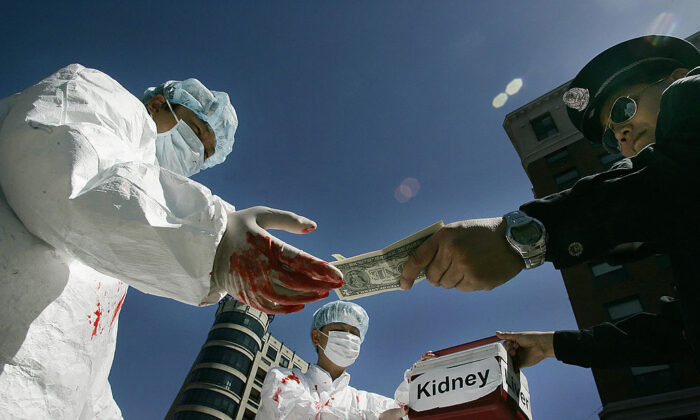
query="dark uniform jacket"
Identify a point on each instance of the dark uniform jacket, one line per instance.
(655, 199)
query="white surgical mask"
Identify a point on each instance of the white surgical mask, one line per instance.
(342, 347)
(179, 149)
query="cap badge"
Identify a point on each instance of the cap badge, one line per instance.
(576, 98)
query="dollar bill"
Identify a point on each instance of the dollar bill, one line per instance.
(379, 271)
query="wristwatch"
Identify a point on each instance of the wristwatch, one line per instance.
(527, 236)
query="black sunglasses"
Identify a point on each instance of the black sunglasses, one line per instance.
(623, 109)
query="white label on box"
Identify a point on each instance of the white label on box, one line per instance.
(455, 385)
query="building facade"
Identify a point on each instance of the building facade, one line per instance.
(225, 381)
(555, 155)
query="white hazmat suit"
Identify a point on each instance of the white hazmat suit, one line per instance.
(85, 212)
(288, 394)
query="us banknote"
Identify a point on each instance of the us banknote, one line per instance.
(379, 271)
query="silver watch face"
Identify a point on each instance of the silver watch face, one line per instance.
(527, 233)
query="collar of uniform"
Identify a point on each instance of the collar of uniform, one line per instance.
(323, 379)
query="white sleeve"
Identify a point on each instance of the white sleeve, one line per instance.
(77, 166)
(402, 393)
(372, 405)
(284, 396)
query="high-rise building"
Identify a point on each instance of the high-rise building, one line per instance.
(225, 381)
(555, 155)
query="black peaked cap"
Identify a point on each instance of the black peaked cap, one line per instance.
(609, 69)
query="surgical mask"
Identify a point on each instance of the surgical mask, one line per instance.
(342, 348)
(179, 149)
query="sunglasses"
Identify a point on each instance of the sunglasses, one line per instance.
(623, 109)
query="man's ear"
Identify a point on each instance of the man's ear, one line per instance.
(678, 74)
(156, 103)
(314, 337)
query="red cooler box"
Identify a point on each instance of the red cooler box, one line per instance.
(475, 380)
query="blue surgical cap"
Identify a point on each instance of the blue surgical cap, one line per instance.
(213, 107)
(341, 311)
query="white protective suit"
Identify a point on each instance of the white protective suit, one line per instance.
(288, 394)
(85, 212)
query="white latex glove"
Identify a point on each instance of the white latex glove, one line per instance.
(266, 273)
(394, 413)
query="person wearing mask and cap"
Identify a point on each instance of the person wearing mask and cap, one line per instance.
(96, 197)
(642, 98)
(337, 331)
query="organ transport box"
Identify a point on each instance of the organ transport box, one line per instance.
(471, 382)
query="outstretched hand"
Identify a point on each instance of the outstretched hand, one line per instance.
(263, 271)
(528, 348)
(468, 255)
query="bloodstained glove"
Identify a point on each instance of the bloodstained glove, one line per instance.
(266, 273)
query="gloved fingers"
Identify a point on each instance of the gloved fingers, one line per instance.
(271, 307)
(285, 220)
(320, 273)
(281, 295)
(268, 285)
(298, 282)
(302, 271)
(258, 301)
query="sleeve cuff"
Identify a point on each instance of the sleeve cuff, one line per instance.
(572, 347)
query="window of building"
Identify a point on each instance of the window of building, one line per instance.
(211, 399)
(193, 415)
(219, 378)
(228, 356)
(605, 274)
(567, 179)
(544, 126)
(260, 375)
(254, 395)
(557, 156)
(234, 336)
(284, 362)
(240, 318)
(607, 160)
(271, 353)
(653, 379)
(624, 308)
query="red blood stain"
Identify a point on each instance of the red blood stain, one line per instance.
(276, 397)
(357, 398)
(328, 403)
(316, 387)
(98, 313)
(291, 377)
(117, 309)
(306, 277)
(308, 229)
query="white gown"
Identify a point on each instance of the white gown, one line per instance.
(288, 394)
(86, 212)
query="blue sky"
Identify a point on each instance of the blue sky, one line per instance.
(338, 103)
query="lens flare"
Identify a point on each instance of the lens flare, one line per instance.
(408, 189)
(663, 24)
(514, 86)
(499, 100)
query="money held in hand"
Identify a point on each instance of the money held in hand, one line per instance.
(379, 271)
